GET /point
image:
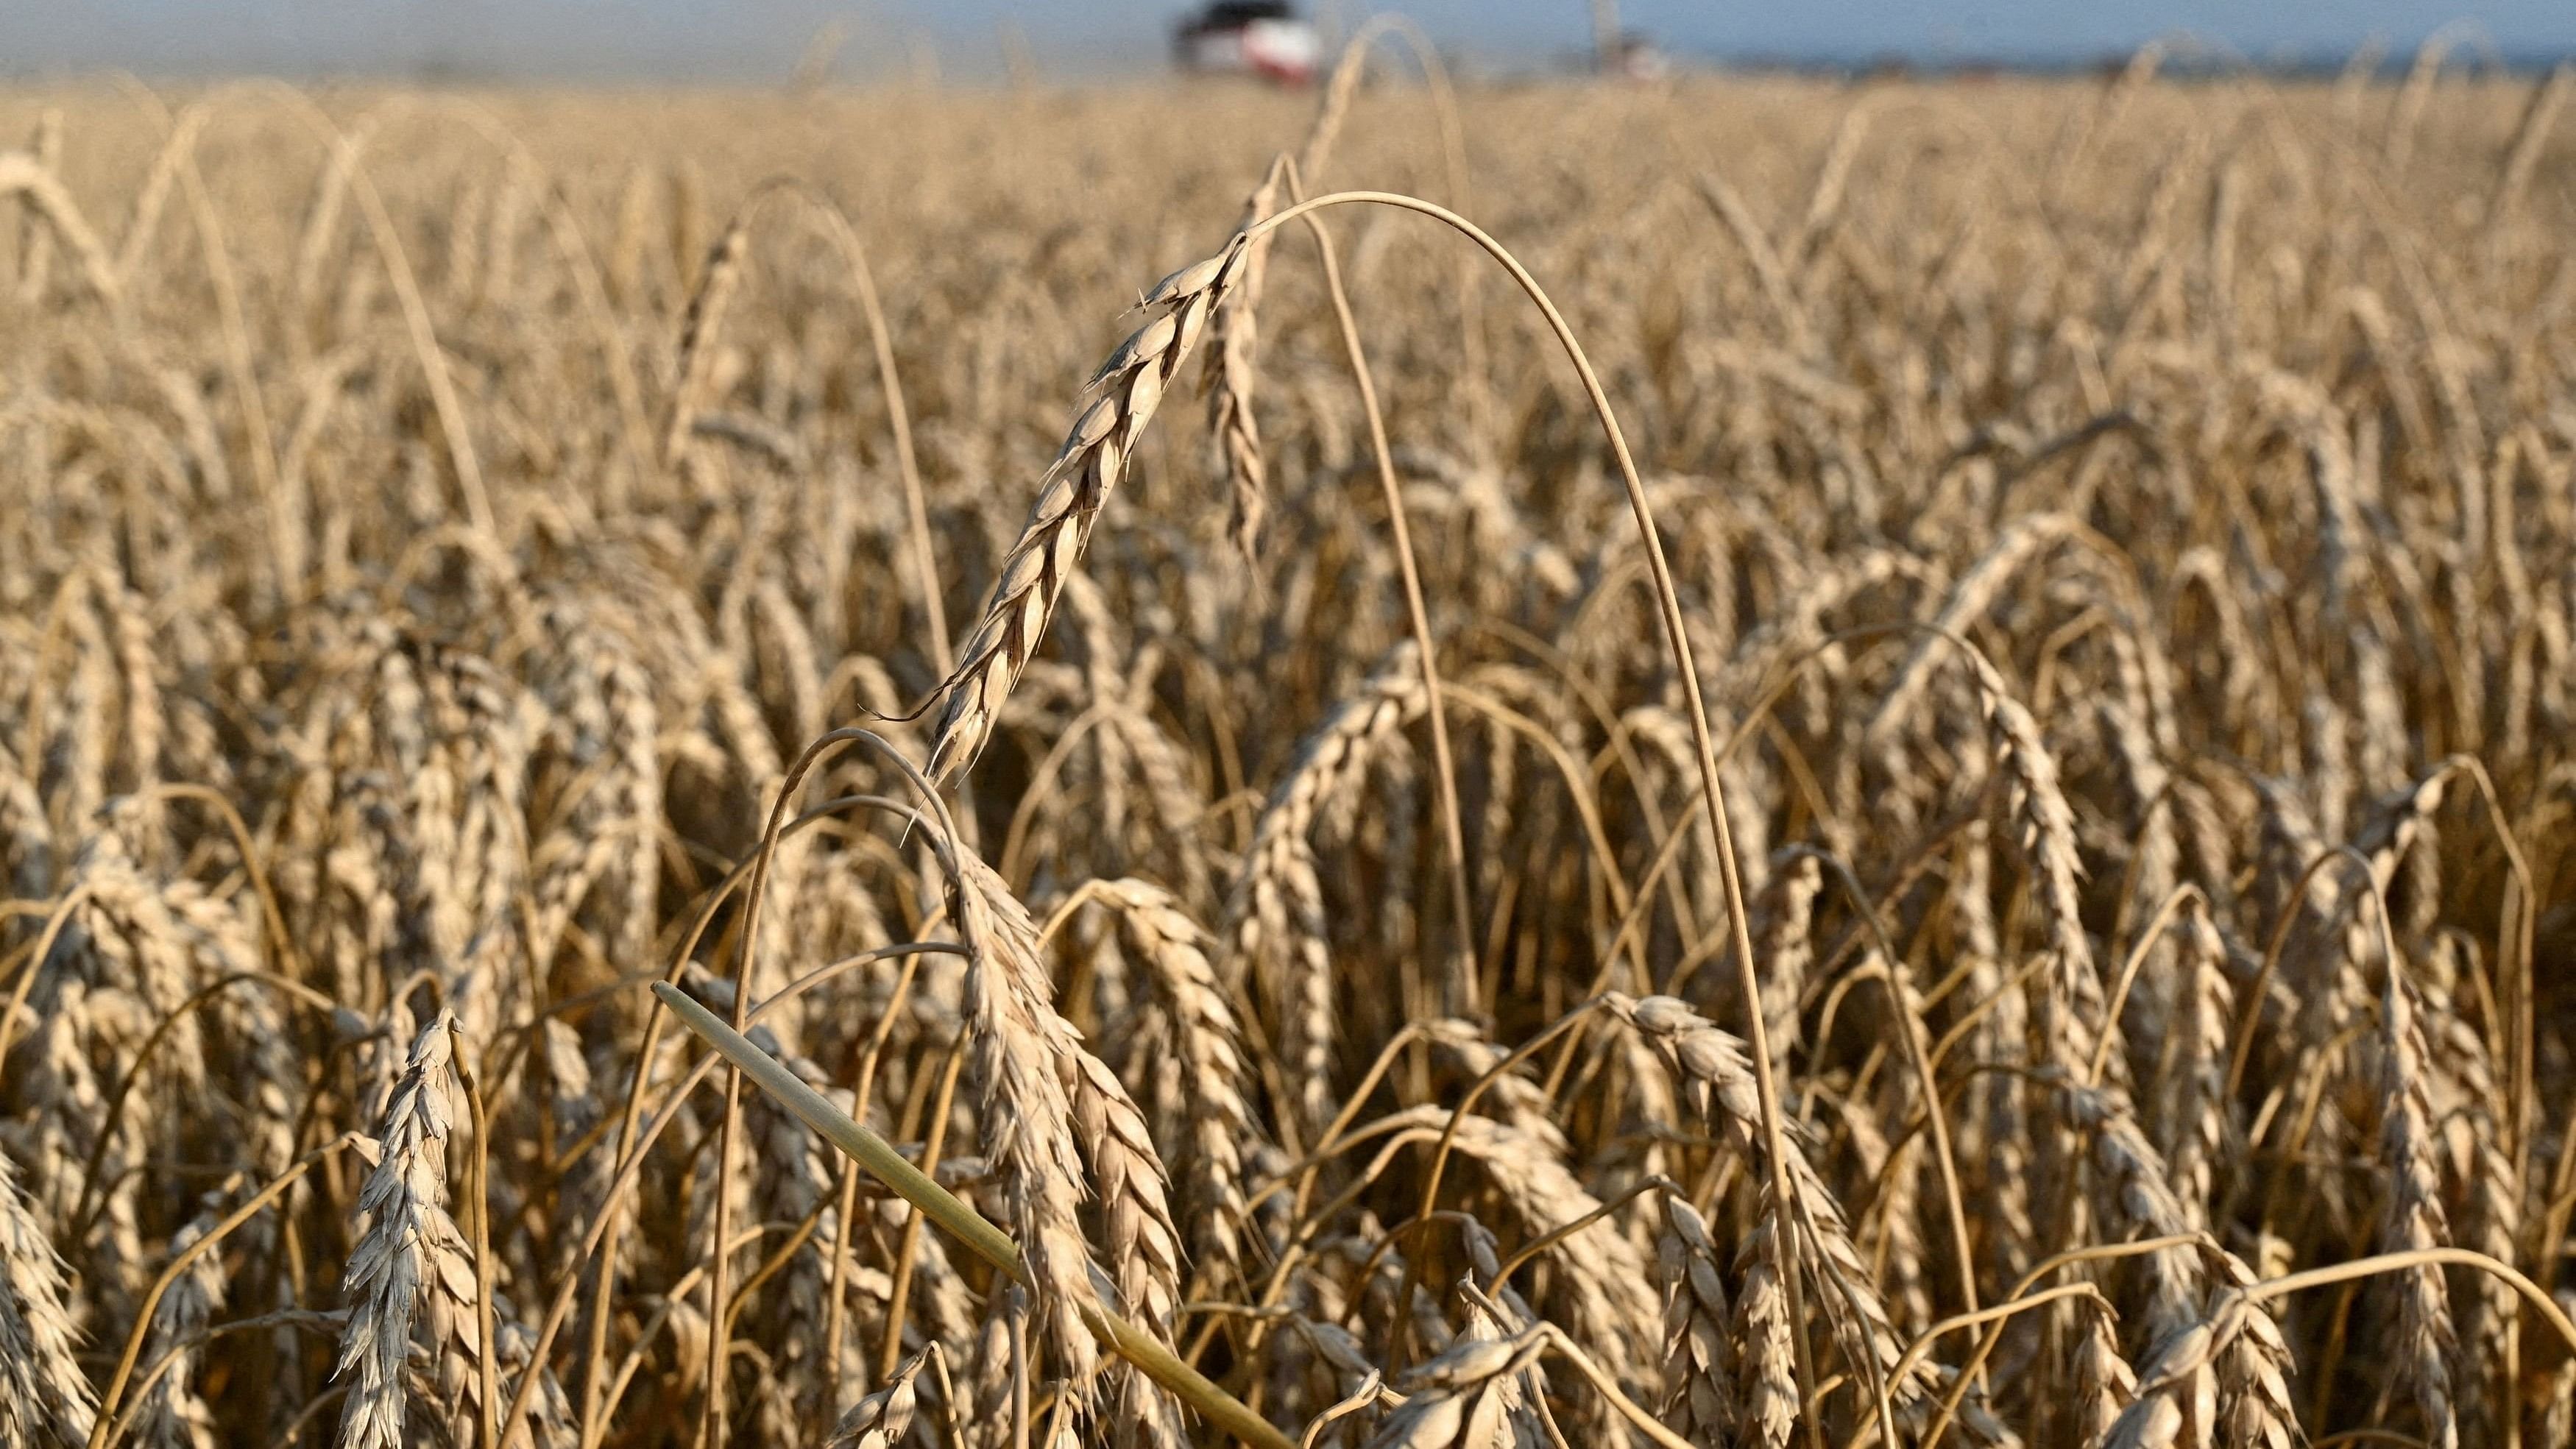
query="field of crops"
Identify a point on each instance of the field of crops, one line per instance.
(1892, 767)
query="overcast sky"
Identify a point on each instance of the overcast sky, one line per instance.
(758, 39)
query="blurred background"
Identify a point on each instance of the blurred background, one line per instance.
(987, 40)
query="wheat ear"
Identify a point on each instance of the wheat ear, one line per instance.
(882, 1420)
(2414, 1216)
(1123, 395)
(44, 1397)
(410, 1252)
(1699, 1354)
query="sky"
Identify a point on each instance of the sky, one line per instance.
(736, 40)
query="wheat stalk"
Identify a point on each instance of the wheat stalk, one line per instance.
(25, 176)
(35, 244)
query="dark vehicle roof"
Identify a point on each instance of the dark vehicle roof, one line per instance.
(1235, 14)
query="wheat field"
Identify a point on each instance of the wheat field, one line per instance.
(1741, 763)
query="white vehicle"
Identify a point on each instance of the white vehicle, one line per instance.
(1249, 37)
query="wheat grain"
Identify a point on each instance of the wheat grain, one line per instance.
(48, 1399)
(2414, 1216)
(173, 1413)
(1762, 1331)
(410, 1272)
(1208, 1079)
(1699, 1355)
(1124, 392)
(1028, 1118)
(883, 1419)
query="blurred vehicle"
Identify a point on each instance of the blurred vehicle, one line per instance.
(1264, 38)
(1634, 57)
(1623, 54)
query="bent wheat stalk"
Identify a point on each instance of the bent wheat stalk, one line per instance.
(965, 1224)
(23, 175)
(1093, 459)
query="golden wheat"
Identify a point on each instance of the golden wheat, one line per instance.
(2118, 538)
